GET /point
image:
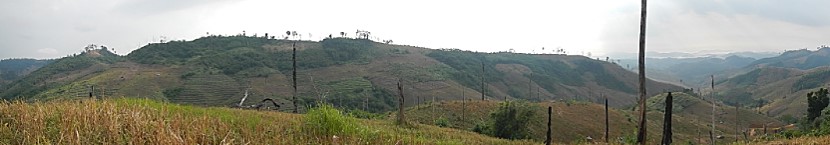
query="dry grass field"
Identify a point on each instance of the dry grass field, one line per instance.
(143, 121)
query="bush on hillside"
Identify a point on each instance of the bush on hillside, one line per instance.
(442, 122)
(510, 121)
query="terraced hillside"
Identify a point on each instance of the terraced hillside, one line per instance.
(206, 90)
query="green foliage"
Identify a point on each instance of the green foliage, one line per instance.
(812, 80)
(816, 101)
(546, 72)
(481, 128)
(172, 93)
(326, 120)
(468, 66)
(349, 50)
(442, 122)
(511, 120)
(246, 57)
(411, 72)
(180, 52)
(602, 76)
(629, 138)
(746, 79)
(364, 115)
(787, 118)
(39, 80)
(738, 97)
(13, 69)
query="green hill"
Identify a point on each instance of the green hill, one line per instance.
(217, 70)
(13, 69)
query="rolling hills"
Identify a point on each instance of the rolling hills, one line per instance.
(13, 69)
(777, 86)
(350, 73)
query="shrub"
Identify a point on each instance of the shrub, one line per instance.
(480, 127)
(442, 122)
(326, 120)
(364, 115)
(511, 120)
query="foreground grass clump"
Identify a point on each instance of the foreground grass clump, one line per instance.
(143, 121)
(326, 120)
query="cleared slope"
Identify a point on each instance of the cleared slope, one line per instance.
(573, 120)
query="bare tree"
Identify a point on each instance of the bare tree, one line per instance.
(607, 126)
(641, 134)
(667, 121)
(482, 79)
(401, 118)
(294, 75)
(548, 139)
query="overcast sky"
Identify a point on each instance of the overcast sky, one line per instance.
(56, 28)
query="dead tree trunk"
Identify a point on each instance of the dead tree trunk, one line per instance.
(91, 90)
(530, 86)
(641, 134)
(401, 119)
(482, 79)
(667, 121)
(548, 137)
(606, 121)
(463, 105)
(294, 76)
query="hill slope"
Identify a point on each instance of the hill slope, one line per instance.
(573, 121)
(217, 71)
(13, 69)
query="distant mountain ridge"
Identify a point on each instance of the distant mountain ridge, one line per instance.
(777, 85)
(13, 69)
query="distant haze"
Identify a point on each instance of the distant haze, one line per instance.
(51, 28)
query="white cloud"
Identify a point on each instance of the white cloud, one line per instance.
(47, 51)
(597, 26)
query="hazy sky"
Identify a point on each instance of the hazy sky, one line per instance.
(55, 28)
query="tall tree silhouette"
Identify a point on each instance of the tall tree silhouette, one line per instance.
(294, 75)
(667, 121)
(641, 134)
(482, 79)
